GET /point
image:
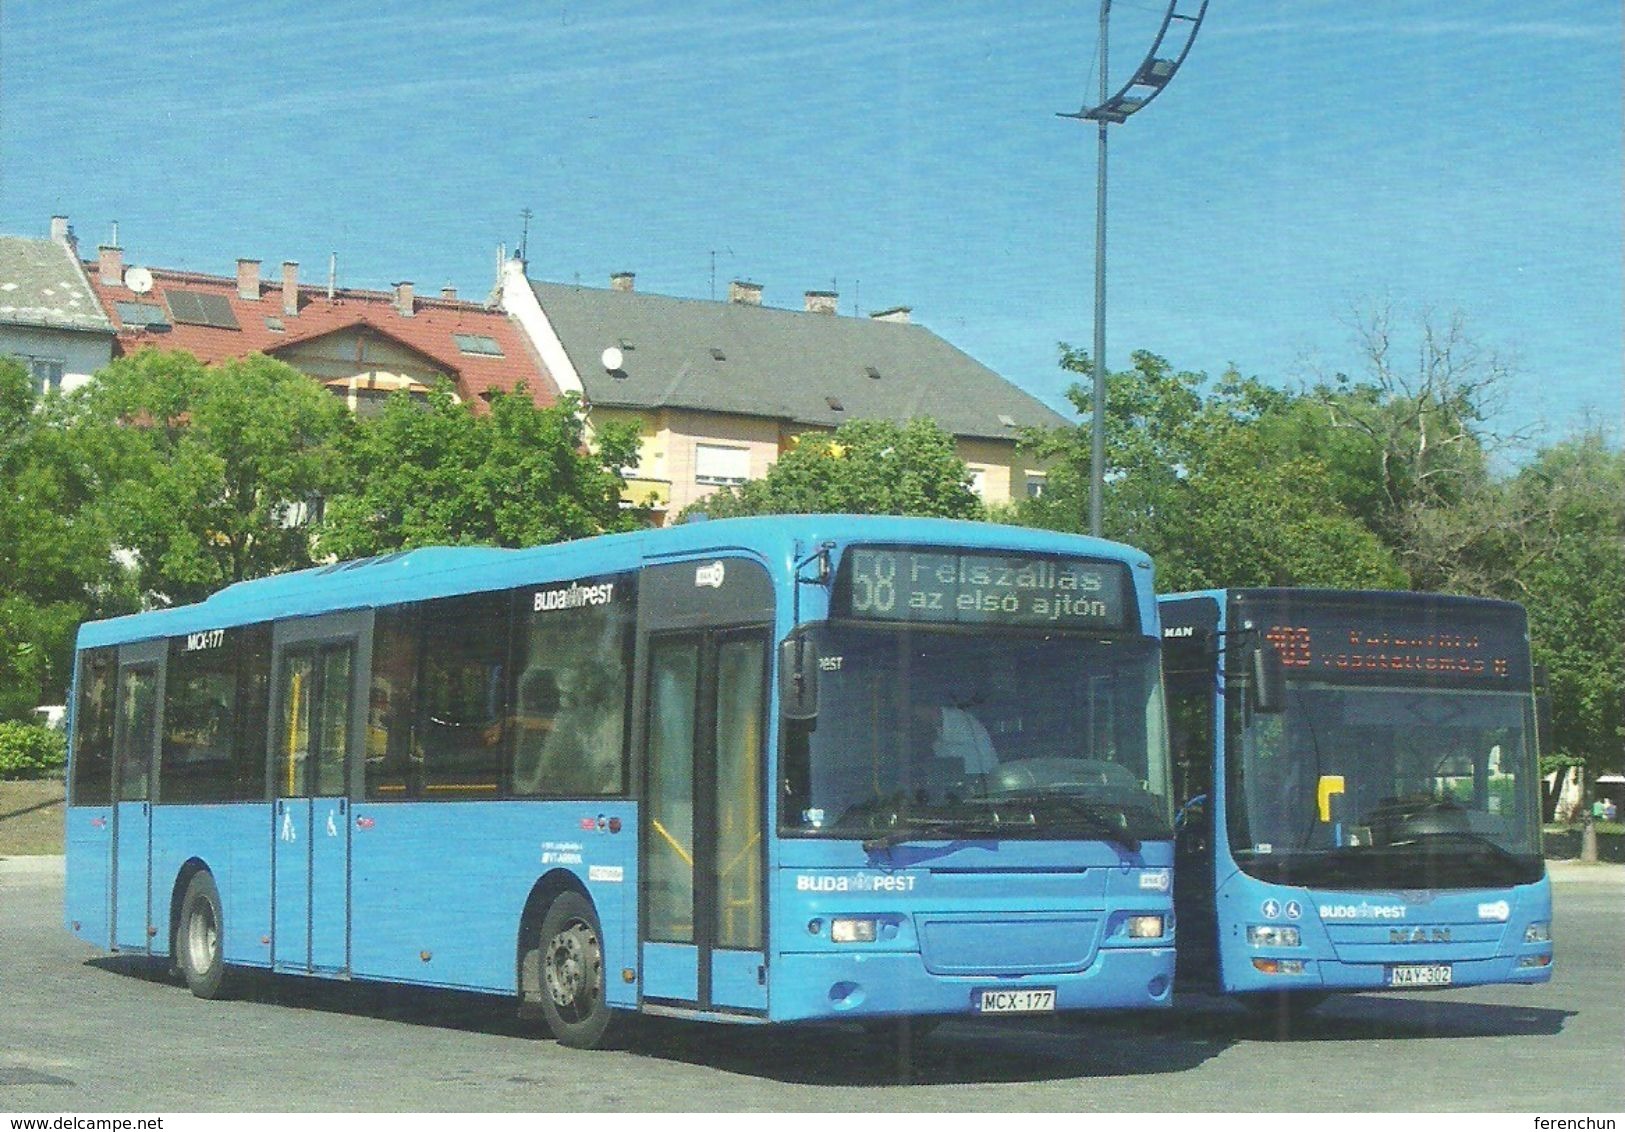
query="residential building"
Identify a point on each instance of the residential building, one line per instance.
(49, 317)
(722, 389)
(361, 344)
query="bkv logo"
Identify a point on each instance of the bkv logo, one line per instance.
(711, 575)
(1418, 935)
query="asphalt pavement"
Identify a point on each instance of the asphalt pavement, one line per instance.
(82, 1032)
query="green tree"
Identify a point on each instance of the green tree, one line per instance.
(1563, 557)
(212, 472)
(436, 474)
(1201, 475)
(1408, 441)
(866, 467)
(56, 560)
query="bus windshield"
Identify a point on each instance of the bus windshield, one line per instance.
(942, 733)
(1385, 785)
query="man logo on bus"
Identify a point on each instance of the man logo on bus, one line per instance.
(711, 575)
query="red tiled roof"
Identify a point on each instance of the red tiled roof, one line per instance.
(427, 331)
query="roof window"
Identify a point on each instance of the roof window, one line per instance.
(482, 345)
(149, 315)
(200, 308)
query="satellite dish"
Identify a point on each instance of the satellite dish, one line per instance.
(138, 279)
(613, 359)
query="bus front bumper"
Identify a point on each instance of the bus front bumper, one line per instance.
(857, 987)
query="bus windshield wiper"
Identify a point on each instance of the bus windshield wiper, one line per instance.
(1083, 812)
(1477, 840)
(916, 829)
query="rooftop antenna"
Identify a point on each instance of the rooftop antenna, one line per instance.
(524, 237)
(115, 242)
(332, 273)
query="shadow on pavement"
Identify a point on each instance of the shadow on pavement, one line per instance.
(958, 1051)
(1345, 1018)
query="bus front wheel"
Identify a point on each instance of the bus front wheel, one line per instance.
(572, 974)
(199, 950)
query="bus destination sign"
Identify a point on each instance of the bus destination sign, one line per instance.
(1433, 644)
(977, 588)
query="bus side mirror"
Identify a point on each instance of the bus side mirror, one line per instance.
(1543, 709)
(1269, 680)
(798, 677)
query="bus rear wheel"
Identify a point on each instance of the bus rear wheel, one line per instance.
(199, 950)
(572, 974)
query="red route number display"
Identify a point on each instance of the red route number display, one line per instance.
(1348, 649)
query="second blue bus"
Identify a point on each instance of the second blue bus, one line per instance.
(1360, 802)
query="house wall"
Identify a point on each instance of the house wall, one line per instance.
(352, 352)
(669, 438)
(1005, 467)
(80, 353)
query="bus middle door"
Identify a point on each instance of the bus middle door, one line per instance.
(319, 664)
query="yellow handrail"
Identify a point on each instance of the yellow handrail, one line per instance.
(677, 847)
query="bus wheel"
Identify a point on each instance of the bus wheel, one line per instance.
(572, 969)
(199, 950)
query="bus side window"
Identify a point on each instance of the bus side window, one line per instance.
(92, 781)
(463, 696)
(391, 710)
(572, 693)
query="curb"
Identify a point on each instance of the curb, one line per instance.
(32, 866)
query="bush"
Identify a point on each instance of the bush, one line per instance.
(28, 750)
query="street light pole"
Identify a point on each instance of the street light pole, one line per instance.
(1149, 80)
(1097, 447)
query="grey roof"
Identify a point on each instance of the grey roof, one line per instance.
(43, 284)
(787, 364)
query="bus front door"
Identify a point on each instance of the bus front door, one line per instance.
(704, 821)
(318, 665)
(135, 754)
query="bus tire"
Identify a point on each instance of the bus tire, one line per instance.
(200, 939)
(572, 974)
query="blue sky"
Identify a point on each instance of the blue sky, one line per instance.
(1311, 159)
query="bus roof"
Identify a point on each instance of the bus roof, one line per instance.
(1318, 596)
(441, 571)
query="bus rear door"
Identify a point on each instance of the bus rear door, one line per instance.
(135, 755)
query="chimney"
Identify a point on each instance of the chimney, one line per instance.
(112, 264)
(621, 281)
(403, 299)
(62, 233)
(822, 302)
(248, 280)
(745, 294)
(448, 292)
(290, 287)
(892, 314)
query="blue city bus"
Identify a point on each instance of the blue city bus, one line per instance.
(753, 770)
(1359, 800)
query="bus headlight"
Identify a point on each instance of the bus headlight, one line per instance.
(1145, 927)
(1538, 932)
(1273, 935)
(847, 929)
